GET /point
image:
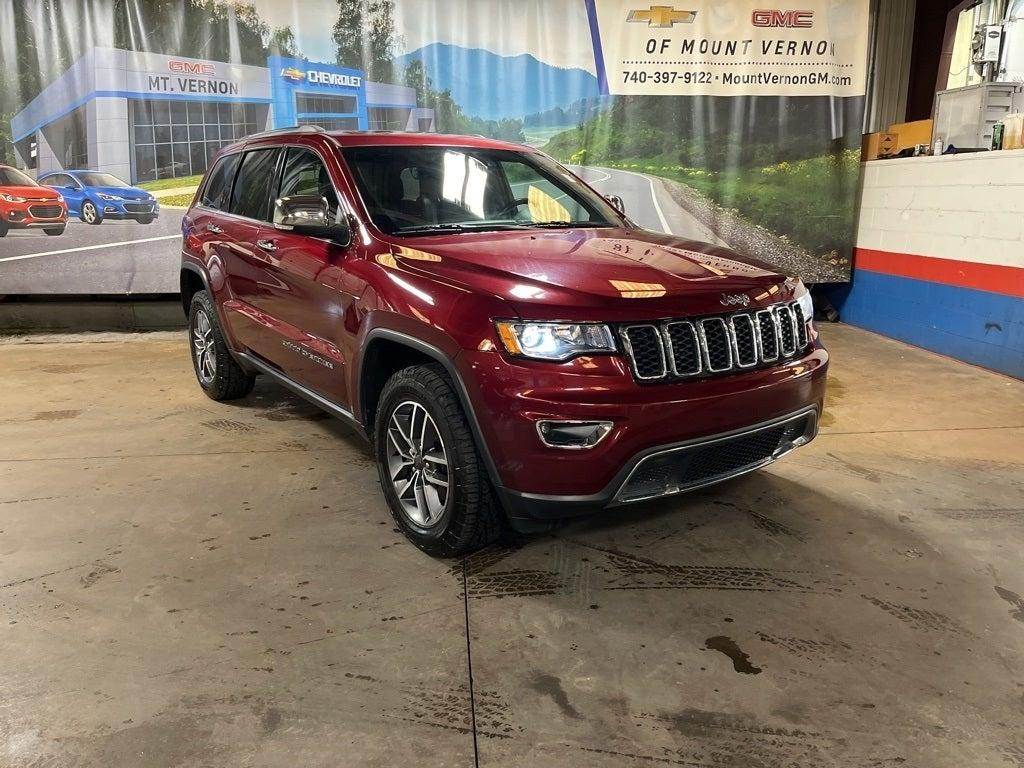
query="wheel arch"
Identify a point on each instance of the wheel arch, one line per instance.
(191, 281)
(375, 369)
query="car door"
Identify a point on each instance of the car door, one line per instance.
(306, 288)
(70, 189)
(211, 237)
(248, 208)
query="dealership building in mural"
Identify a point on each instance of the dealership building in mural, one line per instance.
(144, 116)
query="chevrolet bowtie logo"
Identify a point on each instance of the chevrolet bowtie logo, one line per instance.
(662, 16)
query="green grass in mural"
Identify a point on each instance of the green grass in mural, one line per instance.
(176, 201)
(805, 201)
(181, 181)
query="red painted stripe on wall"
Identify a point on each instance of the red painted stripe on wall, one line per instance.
(996, 278)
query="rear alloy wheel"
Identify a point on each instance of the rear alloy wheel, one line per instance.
(220, 376)
(89, 213)
(431, 473)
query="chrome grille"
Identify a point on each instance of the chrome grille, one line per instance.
(681, 349)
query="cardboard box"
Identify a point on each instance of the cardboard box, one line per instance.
(911, 134)
(876, 145)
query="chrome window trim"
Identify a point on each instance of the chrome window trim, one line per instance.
(628, 345)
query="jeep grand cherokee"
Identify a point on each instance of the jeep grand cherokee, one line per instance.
(514, 347)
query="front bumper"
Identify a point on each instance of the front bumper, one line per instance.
(675, 419)
(33, 214)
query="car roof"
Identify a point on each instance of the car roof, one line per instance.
(377, 139)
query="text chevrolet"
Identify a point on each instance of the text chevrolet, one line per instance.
(513, 346)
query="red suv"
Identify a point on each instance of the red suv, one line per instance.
(25, 204)
(514, 347)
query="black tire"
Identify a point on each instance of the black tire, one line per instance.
(471, 517)
(90, 213)
(3, 231)
(145, 220)
(54, 231)
(222, 378)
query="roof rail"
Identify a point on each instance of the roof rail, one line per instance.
(292, 129)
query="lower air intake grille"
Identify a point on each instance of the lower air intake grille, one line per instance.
(679, 349)
(691, 467)
(45, 211)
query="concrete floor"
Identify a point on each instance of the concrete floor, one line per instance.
(186, 583)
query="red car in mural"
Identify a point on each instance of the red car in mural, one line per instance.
(24, 204)
(515, 348)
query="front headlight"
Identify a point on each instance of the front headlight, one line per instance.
(554, 341)
(806, 305)
(12, 198)
(103, 196)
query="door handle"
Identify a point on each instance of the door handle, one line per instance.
(214, 229)
(266, 245)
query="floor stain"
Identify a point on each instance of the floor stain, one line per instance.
(551, 686)
(227, 425)
(857, 469)
(740, 660)
(55, 415)
(99, 570)
(1013, 599)
(918, 618)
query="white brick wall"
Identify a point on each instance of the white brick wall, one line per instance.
(967, 207)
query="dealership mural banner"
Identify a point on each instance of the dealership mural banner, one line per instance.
(725, 121)
(730, 48)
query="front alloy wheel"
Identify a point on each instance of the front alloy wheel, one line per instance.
(89, 213)
(431, 472)
(418, 464)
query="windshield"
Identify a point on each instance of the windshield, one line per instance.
(9, 177)
(101, 180)
(410, 190)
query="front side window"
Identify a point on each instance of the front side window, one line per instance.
(101, 180)
(413, 190)
(218, 187)
(254, 185)
(305, 174)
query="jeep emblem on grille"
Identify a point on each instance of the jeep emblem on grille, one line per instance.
(732, 299)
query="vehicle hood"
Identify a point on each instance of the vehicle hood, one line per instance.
(125, 193)
(635, 271)
(35, 193)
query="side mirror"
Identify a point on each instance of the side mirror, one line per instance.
(616, 203)
(311, 215)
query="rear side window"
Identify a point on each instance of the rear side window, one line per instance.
(215, 193)
(255, 185)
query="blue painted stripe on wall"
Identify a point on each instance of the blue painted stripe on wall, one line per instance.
(979, 327)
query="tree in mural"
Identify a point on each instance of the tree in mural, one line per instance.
(365, 37)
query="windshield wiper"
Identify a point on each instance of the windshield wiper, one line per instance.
(567, 224)
(471, 226)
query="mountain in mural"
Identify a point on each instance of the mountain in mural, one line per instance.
(487, 85)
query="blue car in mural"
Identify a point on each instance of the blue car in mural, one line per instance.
(94, 196)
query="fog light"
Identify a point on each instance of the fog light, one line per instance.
(573, 435)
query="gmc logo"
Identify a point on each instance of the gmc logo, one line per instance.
(188, 68)
(776, 18)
